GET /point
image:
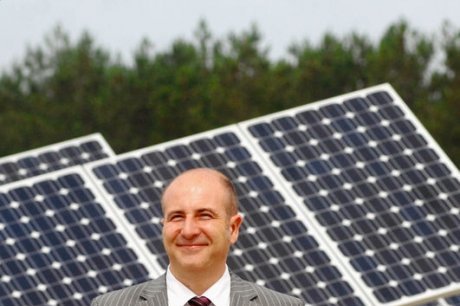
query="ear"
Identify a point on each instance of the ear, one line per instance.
(235, 223)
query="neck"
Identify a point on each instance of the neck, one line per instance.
(198, 281)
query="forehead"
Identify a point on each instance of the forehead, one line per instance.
(194, 192)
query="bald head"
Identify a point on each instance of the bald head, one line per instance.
(203, 178)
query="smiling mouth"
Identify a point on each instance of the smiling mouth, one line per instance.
(191, 245)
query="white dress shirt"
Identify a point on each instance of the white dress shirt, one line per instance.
(179, 294)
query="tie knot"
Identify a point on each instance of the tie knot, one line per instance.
(199, 301)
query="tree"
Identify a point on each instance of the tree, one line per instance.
(442, 114)
(66, 89)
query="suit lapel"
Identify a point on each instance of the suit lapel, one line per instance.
(155, 293)
(241, 292)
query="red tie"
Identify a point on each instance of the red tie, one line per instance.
(199, 301)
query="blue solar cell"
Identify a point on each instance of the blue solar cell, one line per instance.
(307, 152)
(331, 146)
(389, 183)
(388, 256)
(294, 137)
(203, 146)
(380, 98)
(129, 165)
(283, 213)
(318, 167)
(390, 147)
(332, 111)
(425, 191)
(178, 152)
(9, 168)
(455, 300)
(320, 131)
(426, 155)
(309, 117)
(350, 248)
(399, 272)
(285, 124)
(344, 125)
(413, 213)
(261, 130)
(141, 179)
(272, 144)
(372, 278)
(271, 234)
(367, 154)
(330, 182)
(284, 158)
(28, 162)
(414, 141)
(391, 112)
(356, 105)
(449, 184)
(411, 287)
(341, 233)
(438, 170)
(151, 159)
(368, 119)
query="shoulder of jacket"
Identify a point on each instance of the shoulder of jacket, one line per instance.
(291, 300)
(267, 293)
(113, 295)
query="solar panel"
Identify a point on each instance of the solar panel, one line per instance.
(347, 201)
(61, 244)
(276, 247)
(378, 187)
(53, 157)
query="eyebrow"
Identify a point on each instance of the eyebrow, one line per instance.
(209, 210)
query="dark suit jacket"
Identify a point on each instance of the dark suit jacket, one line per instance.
(153, 293)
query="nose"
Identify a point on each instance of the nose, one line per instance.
(190, 228)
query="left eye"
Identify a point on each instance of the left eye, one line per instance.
(175, 218)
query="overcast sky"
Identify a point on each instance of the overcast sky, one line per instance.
(119, 25)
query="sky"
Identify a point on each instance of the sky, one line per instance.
(120, 25)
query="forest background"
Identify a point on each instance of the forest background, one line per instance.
(64, 89)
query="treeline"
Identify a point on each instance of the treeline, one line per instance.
(65, 89)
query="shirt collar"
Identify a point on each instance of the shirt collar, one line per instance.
(179, 294)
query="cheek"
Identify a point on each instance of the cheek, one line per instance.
(170, 232)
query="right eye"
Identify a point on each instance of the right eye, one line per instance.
(175, 218)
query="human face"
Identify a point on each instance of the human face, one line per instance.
(197, 230)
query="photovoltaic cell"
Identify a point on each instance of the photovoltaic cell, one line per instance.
(275, 247)
(376, 183)
(60, 245)
(51, 158)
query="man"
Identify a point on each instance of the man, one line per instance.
(201, 222)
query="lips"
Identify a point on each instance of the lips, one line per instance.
(191, 246)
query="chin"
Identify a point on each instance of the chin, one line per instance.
(194, 265)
